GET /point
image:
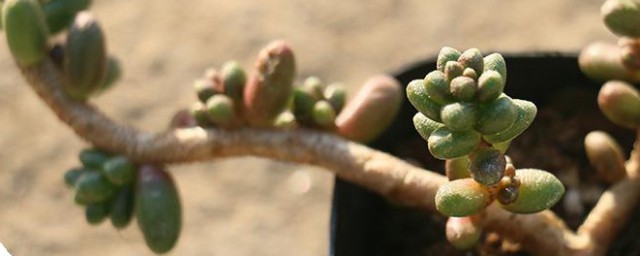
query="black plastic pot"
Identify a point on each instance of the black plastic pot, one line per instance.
(364, 223)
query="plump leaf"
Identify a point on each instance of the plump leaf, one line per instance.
(417, 94)
(424, 125)
(620, 102)
(538, 191)
(447, 144)
(622, 17)
(526, 114)
(437, 87)
(459, 116)
(446, 54)
(461, 198)
(497, 116)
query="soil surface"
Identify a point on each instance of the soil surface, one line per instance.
(240, 206)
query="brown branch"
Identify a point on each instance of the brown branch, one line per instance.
(614, 206)
(542, 233)
(354, 162)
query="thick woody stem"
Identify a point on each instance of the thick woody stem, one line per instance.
(615, 205)
(353, 162)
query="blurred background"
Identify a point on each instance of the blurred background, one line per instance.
(242, 206)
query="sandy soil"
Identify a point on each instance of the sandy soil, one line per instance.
(241, 206)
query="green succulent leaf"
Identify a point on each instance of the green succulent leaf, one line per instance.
(119, 170)
(417, 94)
(447, 144)
(496, 62)
(622, 17)
(490, 86)
(446, 54)
(472, 58)
(323, 114)
(26, 31)
(93, 187)
(463, 88)
(452, 70)
(497, 116)
(526, 114)
(459, 116)
(461, 198)
(538, 191)
(424, 125)
(437, 87)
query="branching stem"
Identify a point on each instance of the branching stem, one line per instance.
(542, 233)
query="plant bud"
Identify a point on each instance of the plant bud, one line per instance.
(417, 95)
(157, 208)
(314, 86)
(60, 13)
(457, 168)
(286, 120)
(602, 62)
(462, 232)
(622, 17)
(490, 86)
(112, 75)
(446, 144)
(437, 87)
(204, 89)
(93, 158)
(487, 166)
(119, 170)
(497, 116)
(452, 70)
(463, 88)
(200, 113)
(496, 62)
(605, 155)
(121, 211)
(630, 53)
(303, 102)
(470, 73)
(424, 125)
(526, 114)
(269, 87)
(371, 110)
(71, 176)
(446, 54)
(461, 198)
(183, 119)
(95, 213)
(459, 116)
(93, 187)
(336, 94)
(233, 79)
(85, 57)
(26, 31)
(323, 114)
(538, 191)
(507, 195)
(472, 58)
(220, 110)
(620, 103)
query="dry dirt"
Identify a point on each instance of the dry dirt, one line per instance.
(241, 206)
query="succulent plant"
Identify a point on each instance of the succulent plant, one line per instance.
(468, 121)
